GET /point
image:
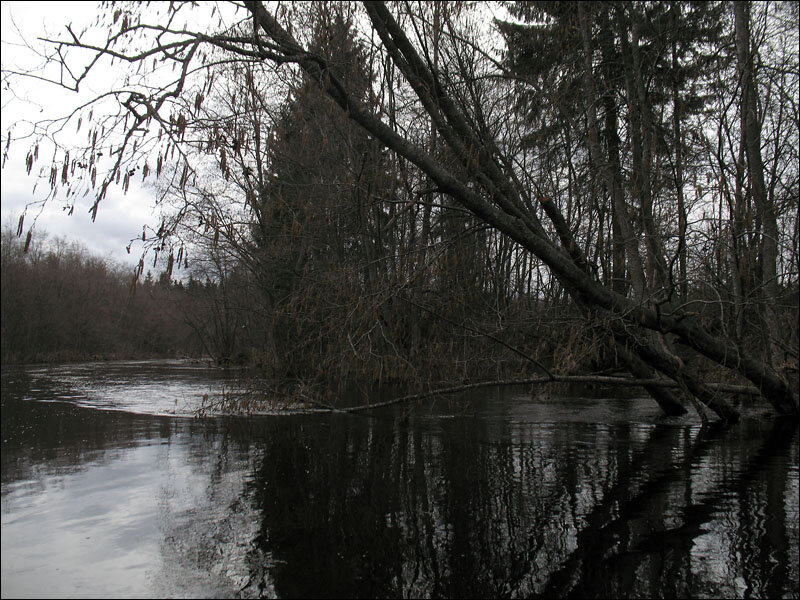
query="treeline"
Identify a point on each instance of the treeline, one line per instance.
(375, 195)
(60, 303)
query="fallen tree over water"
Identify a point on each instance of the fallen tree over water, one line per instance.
(429, 124)
(252, 401)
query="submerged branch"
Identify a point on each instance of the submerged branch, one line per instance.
(599, 379)
(251, 402)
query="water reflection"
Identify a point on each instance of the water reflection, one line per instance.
(487, 499)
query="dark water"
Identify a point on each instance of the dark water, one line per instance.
(489, 495)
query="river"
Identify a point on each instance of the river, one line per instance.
(111, 488)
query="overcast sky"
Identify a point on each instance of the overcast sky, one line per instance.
(121, 216)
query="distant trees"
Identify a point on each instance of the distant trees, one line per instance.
(390, 199)
(60, 303)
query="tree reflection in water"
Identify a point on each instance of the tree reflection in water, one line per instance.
(442, 504)
(379, 509)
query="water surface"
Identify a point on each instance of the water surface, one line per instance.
(111, 488)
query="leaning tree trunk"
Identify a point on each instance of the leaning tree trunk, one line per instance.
(487, 190)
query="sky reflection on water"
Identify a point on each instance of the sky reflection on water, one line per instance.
(489, 495)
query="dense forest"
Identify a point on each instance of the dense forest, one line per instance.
(60, 303)
(443, 191)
